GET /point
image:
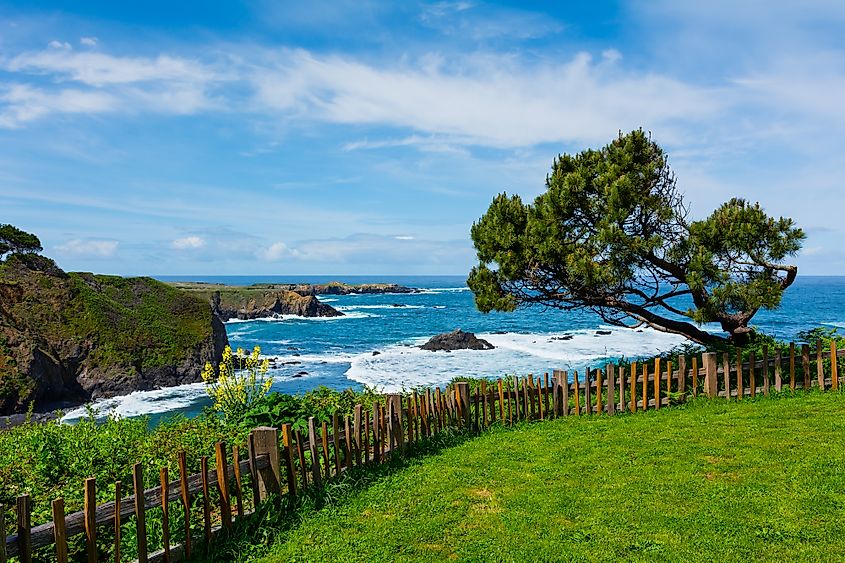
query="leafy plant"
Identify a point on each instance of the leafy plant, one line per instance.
(239, 382)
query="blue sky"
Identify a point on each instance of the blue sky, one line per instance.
(366, 137)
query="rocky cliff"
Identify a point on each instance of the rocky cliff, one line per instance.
(255, 303)
(339, 288)
(66, 338)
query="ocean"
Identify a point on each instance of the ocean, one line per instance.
(374, 343)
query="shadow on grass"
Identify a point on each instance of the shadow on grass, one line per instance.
(253, 535)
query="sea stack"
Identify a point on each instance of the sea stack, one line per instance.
(456, 340)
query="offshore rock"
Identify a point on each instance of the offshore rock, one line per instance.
(456, 340)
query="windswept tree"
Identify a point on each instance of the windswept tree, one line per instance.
(15, 241)
(612, 234)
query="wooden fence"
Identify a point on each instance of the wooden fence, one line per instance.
(284, 461)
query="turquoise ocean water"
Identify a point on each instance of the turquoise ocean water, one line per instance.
(374, 342)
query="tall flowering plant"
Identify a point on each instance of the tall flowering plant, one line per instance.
(239, 382)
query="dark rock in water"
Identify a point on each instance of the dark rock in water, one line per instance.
(501, 332)
(564, 337)
(376, 353)
(456, 340)
(602, 332)
(293, 363)
(292, 348)
(398, 305)
(300, 374)
(296, 354)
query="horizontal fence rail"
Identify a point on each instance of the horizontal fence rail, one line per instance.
(285, 461)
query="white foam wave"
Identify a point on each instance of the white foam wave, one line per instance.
(438, 290)
(402, 366)
(388, 306)
(835, 324)
(144, 402)
(330, 358)
(287, 318)
(446, 289)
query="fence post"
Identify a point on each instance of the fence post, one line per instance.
(90, 508)
(395, 439)
(287, 436)
(462, 389)
(140, 507)
(266, 441)
(3, 557)
(24, 505)
(611, 389)
(710, 383)
(59, 531)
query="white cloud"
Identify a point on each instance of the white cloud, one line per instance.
(88, 41)
(488, 100)
(275, 252)
(88, 248)
(367, 248)
(192, 242)
(20, 103)
(102, 82)
(99, 69)
(62, 45)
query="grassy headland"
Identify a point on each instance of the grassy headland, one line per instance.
(709, 481)
(68, 336)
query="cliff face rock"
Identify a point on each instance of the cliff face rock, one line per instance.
(256, 303)
(66, 338)
(304, 289)
(456, 340)
(338, 288)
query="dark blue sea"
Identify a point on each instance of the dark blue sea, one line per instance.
(374, 343)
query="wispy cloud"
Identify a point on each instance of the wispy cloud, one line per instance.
(484, 99)
(483, 22)
(192, 242)
(88, 248)
(365, 248)
(21, 103)
(94, 82)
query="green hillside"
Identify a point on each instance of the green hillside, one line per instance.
(712, 481)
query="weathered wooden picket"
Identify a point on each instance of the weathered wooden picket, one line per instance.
(283, 461)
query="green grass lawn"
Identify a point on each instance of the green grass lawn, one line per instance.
(712, 481)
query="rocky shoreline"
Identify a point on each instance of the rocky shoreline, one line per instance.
(275, 300)
(70, 371)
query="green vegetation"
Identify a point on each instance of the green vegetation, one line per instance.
(138, 321)
(52, 460)
(611, 234)
(277, 409)
(709, 481)
(109, 326)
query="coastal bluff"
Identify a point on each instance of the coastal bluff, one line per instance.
(276, 300)
(68, 337)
